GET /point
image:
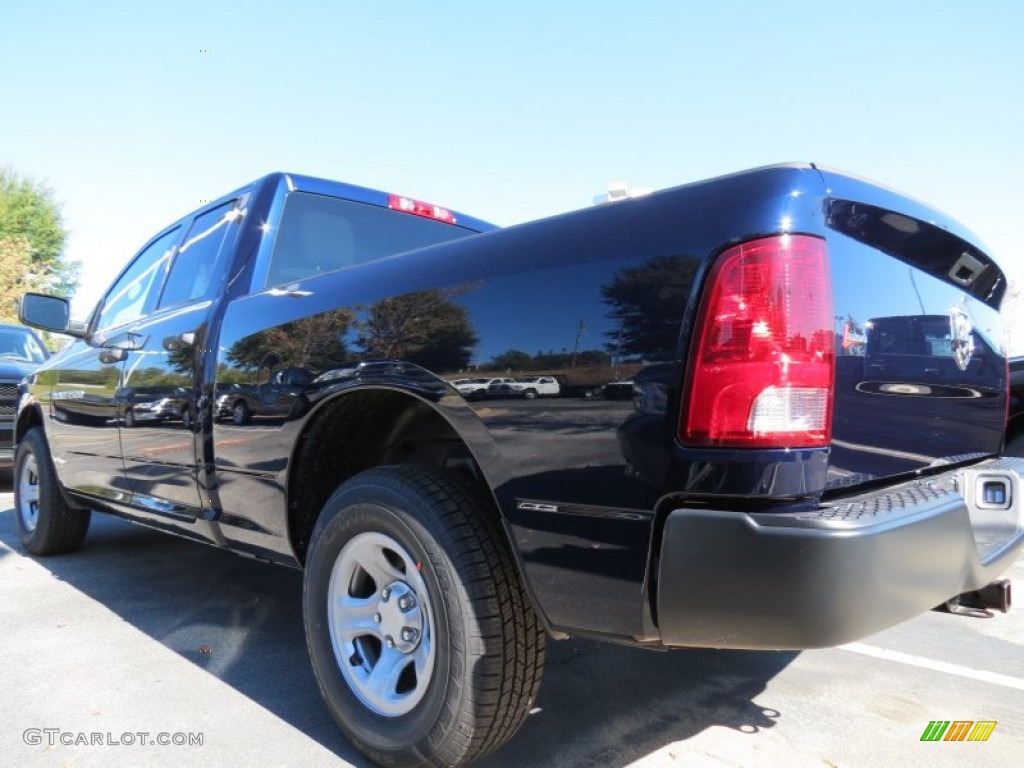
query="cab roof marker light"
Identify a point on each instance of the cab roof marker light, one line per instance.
(420, 208)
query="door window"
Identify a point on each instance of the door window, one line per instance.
(196, 263)
(133, 293)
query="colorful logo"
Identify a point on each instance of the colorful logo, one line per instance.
(958, 730)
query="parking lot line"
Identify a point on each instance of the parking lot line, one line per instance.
(995, 678)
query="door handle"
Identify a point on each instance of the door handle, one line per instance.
(128, 341)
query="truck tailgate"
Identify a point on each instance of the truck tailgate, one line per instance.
(920, 365)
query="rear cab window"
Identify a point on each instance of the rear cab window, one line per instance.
(319, 233)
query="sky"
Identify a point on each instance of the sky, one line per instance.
(134, 113)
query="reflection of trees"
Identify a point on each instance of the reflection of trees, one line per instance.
(517, 360)
(228, 375)
(425, 327)
(182, 358)
(648, 303)
(159, 377)
(513, 360)
(106, 376)
(315, 342)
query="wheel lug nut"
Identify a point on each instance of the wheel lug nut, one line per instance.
(409, 634)
(376, 617)
(406, 603)
(389, 642)
(385, 594)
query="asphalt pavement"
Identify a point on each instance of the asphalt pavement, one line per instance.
(144, 633)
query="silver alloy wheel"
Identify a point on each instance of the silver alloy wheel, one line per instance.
(381, 621)
(28, 493)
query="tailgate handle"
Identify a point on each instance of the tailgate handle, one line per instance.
(967, 269)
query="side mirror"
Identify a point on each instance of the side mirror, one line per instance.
(51, 313)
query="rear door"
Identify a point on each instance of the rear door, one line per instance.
(160, 450)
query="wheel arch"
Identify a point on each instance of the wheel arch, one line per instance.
(30, 416)
(387, 425)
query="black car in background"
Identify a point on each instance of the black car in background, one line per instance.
(20, 352)
(154, 404)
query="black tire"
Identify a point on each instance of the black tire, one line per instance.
(530, 394)
(240, 414)
(47, 525)
(129, 418)
(1015, 447)
(488, 644)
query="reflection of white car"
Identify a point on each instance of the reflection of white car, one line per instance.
(467, 387)
(538, 386)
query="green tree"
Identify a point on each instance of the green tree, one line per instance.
(316, 343)
(423, 327)
(29, 211)
(15, 277)
(647, 303)
(513, 360)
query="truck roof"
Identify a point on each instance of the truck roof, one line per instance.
(320, 186)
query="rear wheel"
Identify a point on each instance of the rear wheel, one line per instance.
(530, 394)
(424, 645)
(47, 525)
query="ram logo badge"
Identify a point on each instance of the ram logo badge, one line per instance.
(962, 340)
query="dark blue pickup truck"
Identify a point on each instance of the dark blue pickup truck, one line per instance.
(810, 452)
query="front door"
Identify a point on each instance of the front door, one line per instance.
(88, 388)
(83, 427)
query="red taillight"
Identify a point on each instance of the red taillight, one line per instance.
(761, 369)
(419, 208)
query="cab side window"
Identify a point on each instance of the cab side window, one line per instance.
(133, 293)
(197, 260)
